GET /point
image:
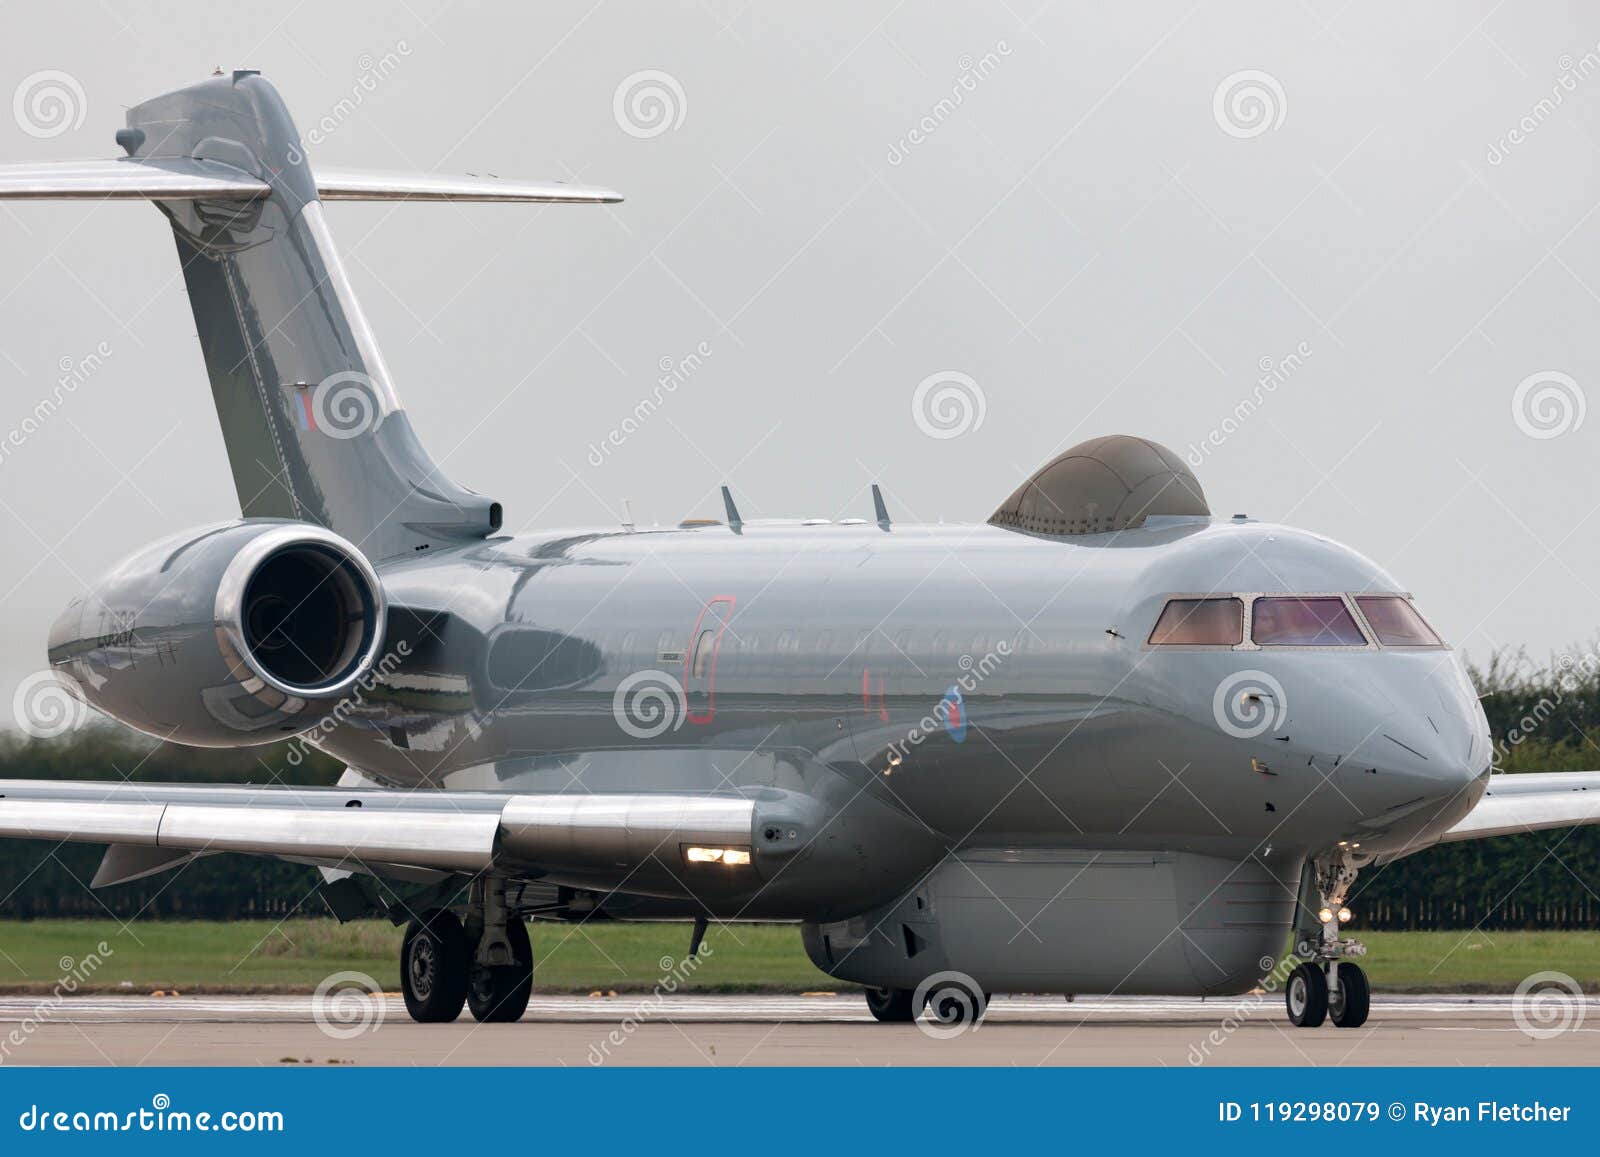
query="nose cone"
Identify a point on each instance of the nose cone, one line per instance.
(1390, 746)
(1435, 746)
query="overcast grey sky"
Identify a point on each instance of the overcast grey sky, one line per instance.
(1063, 202)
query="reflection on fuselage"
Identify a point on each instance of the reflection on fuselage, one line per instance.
(994, 685)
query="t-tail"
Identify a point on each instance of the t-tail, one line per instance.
(308, 409)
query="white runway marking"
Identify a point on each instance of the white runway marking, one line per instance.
(844, 1008)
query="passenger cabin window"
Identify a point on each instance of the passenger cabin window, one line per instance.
(1304, 622)
(1200, 623)
(1396, 622)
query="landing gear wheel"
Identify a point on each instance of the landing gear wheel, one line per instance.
(499, 994)
(891, 1005)
(433, 968)
(1307, 996)
(955, 1006)
(1349, 1006)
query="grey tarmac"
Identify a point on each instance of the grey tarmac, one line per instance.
(779, 1030)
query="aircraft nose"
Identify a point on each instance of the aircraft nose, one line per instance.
(1441, 736)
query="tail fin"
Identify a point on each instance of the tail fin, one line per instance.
(307, 407)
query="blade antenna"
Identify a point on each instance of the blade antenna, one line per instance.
(735, 523)
(879, 510)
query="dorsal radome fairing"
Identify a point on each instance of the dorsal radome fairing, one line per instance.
(1104, 484)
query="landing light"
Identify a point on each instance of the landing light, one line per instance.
(734, 857)
(1345, 915)
(1325, 915)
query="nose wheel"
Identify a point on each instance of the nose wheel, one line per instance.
(1329, 985)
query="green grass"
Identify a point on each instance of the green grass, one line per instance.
(258, 956)
(1478, 961)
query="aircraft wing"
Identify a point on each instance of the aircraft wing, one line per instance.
(581, 839)
(1530, 801)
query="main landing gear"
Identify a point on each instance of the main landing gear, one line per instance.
(952, 1000)
(485, 964)
(1328, 985)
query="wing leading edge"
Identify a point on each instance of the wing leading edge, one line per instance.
(586, 839)
(1529, 802)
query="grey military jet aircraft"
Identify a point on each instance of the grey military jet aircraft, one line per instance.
(1103, 743)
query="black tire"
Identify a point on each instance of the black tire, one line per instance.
(955, 1005)
(499, 995)
(891, 1005)
(1351, 1004)
(433, 968)
(1306, 996)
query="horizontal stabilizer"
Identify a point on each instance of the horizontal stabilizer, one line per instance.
(188, 179)
(368, 185)
(167, 179)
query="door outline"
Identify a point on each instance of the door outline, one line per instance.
(691, 681)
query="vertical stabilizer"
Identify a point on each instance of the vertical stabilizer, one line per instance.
(308, 410)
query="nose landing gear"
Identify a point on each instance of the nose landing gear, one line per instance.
(1329, 984)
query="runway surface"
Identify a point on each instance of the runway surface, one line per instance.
(778, 1030)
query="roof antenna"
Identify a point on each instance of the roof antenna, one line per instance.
(879, 510)
(627, 516)
(735, 523)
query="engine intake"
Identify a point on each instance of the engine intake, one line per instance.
(228, 635)
(302, 610)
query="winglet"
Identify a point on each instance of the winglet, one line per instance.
(879, 510)
(735, 523)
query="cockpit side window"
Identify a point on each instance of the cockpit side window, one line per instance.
(1396, 622)
(1305, 621)
(1200, 623)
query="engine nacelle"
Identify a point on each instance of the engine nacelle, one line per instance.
(226, 636)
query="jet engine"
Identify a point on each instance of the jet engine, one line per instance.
(226, 636)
